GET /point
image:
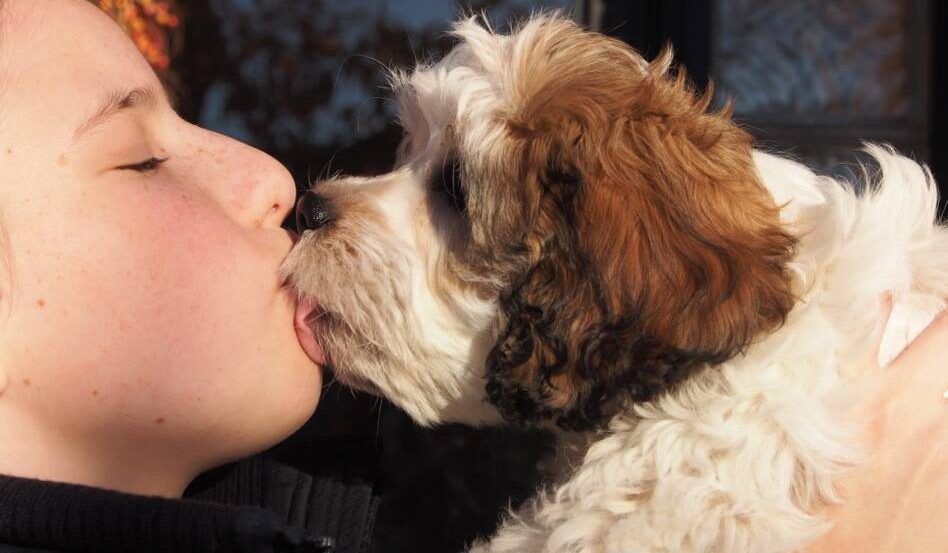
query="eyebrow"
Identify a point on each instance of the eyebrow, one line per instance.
(117, 102)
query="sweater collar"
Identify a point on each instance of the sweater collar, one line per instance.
(80, 518)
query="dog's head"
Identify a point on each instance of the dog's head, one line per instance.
(568, 229)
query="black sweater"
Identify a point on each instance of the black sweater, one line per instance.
(275, 509)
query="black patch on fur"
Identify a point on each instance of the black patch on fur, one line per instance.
(614, 361)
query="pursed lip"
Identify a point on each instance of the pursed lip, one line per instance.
(306, 312)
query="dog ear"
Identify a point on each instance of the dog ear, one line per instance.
(654, 249)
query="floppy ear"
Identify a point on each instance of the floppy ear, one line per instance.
(654, 250)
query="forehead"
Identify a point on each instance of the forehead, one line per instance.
(58, 58)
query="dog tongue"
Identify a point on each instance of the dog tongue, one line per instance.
(304, 310)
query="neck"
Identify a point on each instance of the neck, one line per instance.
(99, 459)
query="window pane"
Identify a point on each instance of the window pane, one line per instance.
(819, 77)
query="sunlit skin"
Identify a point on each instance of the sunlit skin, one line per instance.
(144, 335)
(895, 503)
(144, 332)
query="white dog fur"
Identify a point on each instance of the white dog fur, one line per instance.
(735, 459)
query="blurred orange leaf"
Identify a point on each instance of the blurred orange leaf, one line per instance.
(147, 22)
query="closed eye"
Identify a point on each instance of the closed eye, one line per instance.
(446, 180)
(148, 166)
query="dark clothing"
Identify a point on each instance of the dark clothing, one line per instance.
(325, 500)
(256, 506)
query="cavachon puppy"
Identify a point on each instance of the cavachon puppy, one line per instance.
(571, 238)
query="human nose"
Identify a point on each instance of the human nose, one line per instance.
(255, 189)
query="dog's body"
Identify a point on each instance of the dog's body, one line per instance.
(619, 262)
(739, 459)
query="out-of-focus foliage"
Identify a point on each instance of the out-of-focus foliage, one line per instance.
(307, 80)
(147, 22)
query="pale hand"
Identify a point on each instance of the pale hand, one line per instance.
(898, 501)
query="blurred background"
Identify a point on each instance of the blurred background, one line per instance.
(305, 81)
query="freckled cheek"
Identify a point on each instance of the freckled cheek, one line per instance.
(155, 299)
(175, 280)
(204, 270)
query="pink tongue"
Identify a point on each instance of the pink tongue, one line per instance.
(305, 334)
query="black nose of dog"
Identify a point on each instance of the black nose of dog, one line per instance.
(313, 212)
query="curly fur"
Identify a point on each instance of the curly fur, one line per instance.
(572, 238)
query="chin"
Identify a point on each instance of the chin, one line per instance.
(283, 395)
(572, 239)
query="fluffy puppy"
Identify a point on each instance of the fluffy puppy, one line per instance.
(571, 238)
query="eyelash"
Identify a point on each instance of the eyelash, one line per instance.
(148, 166)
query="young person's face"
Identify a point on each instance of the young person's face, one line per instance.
(142, 315)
